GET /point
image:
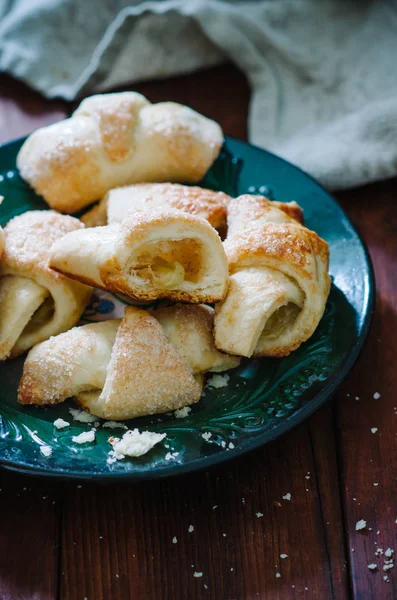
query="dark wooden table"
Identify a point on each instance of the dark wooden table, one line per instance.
(69, 541)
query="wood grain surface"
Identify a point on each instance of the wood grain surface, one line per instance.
(115, 542)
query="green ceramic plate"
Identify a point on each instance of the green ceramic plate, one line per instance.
(263, 399)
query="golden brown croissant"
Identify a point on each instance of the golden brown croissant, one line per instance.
(116, 139)
(126, 368)
(279, 281)
(150, 255)
(189, 328)
(114, 206)
(35, 301)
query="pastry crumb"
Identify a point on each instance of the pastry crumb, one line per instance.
(218, 381)
(84, 438)
(171, 455)
(181, 413)
(134, 443)
(46, 450)
(114, 425)
(61, 423)
(82, 416)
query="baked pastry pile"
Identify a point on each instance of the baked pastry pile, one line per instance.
(149, 240)
(116, 139)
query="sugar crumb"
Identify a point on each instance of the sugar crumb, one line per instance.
(174, 540)
(191, 528)
(376, 396)
(372, 566)
(361, 524)
(287, 496)
(374, 429)
(206, 435)
(197, 574)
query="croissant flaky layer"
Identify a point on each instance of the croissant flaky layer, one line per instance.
(35, 301)
(113, 140)
(128, 367)
(151, 254)
(114, 206)
(279, 281)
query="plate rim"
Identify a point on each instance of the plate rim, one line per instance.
(248, 445)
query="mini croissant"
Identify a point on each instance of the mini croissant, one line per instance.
(114, 206)
(150, 255)
(188, 328)
(35, 301)
(279, 281)
(126, 368)
(113, 140)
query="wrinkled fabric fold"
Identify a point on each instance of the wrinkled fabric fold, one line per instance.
(323, 96)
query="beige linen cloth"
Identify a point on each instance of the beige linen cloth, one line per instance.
(322, 72)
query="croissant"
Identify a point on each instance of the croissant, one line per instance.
(116, 139)
(35, 301)
(150, 255)
(124, 368)
(194, 200)
(279, 281)
(188, 328)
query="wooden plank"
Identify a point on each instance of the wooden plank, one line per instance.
(29, 525)
(118, 540)
(22, 110)
(369, 460)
